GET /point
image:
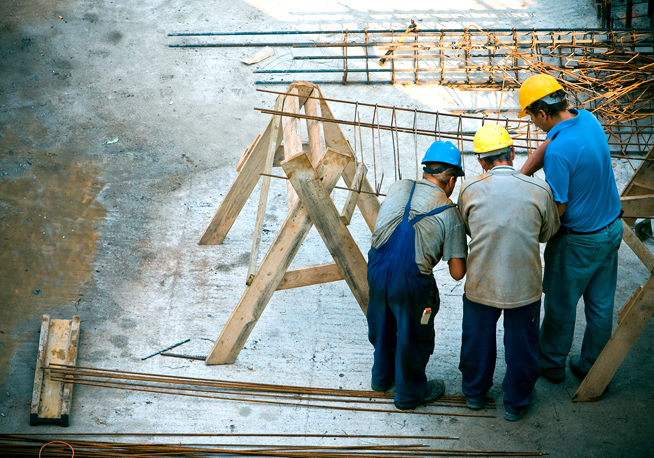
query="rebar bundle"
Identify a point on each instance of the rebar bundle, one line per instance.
(18, 446)
(284, 395)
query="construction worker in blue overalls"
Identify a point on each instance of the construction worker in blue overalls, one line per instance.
(417, 226)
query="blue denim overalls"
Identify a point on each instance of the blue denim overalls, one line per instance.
(399, 293)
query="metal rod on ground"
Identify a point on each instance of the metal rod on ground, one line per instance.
(166, 349)
(179, 355)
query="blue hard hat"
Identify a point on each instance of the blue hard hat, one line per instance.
(445, 153)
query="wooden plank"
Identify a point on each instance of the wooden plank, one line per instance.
(334, 138)
(625, 335)
(238, 193)
(627, 306)
(640, 183)
(353, 196)
(311, 275)
(638, 206)
(292, 139)
(279, 154)
(272, 269)
(247, 152)
(38, 371)
(304, 89)
(275, 139)
(637, 247)
(315, 130)
(56, 353)
(71, 360)
(325, 217)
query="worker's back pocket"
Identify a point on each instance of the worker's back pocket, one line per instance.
(581, 253)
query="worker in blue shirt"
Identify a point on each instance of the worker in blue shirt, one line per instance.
(582, 258)
(417, 226)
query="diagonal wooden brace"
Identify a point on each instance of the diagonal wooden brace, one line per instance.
(239, 191)
(325, 217)
(632, 323)
(272, 268)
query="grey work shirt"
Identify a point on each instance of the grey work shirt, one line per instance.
(507, 214)
(437, 236)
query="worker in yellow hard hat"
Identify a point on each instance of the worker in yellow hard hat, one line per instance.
(582, 259)
(507, 215)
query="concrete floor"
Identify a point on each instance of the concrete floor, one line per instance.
(109, 229)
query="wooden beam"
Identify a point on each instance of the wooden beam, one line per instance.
(641, 182)
(304, 89)
(239, 192)
(275, 139)
(638, 206)
(67, 397)
(247, 152)
(272, 268)
(325, 217)
(353, 196)
(38, 371)
(292, 138)
(310, 275)
(637, 247)
(627, 306)
(279, 153)
(334, 138)
(631, 326)
(315, 129)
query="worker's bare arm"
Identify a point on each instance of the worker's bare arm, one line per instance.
(536, 161)
(457, 268)
(560, 207)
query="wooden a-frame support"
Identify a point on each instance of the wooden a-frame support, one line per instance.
(637, 202)
(313, 171)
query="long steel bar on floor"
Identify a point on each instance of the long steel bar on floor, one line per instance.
(244, 392)
(30, 446)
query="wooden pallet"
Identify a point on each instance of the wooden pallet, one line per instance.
(58, 345)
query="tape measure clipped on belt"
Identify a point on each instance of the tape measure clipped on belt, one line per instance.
(413, 28)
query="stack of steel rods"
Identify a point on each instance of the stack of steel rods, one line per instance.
(324, 398)
(29, 446)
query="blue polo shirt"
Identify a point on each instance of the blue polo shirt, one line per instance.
(579, 171)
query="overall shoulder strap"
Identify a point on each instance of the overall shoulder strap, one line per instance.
(408, 204)
(435, 211)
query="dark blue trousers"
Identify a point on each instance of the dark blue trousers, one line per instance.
(479, 352)
(402, 345)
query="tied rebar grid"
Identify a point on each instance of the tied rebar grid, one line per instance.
(284, 395)
(19, 446)
(469, 57)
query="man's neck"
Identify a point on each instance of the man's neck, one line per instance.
(559, 117)
(499, 164)
(432, 179)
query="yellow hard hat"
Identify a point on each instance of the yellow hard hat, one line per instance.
(490, 138)
(535, 88)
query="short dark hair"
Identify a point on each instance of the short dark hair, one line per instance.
(503, 156)
(550, 109)
(444, 177)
